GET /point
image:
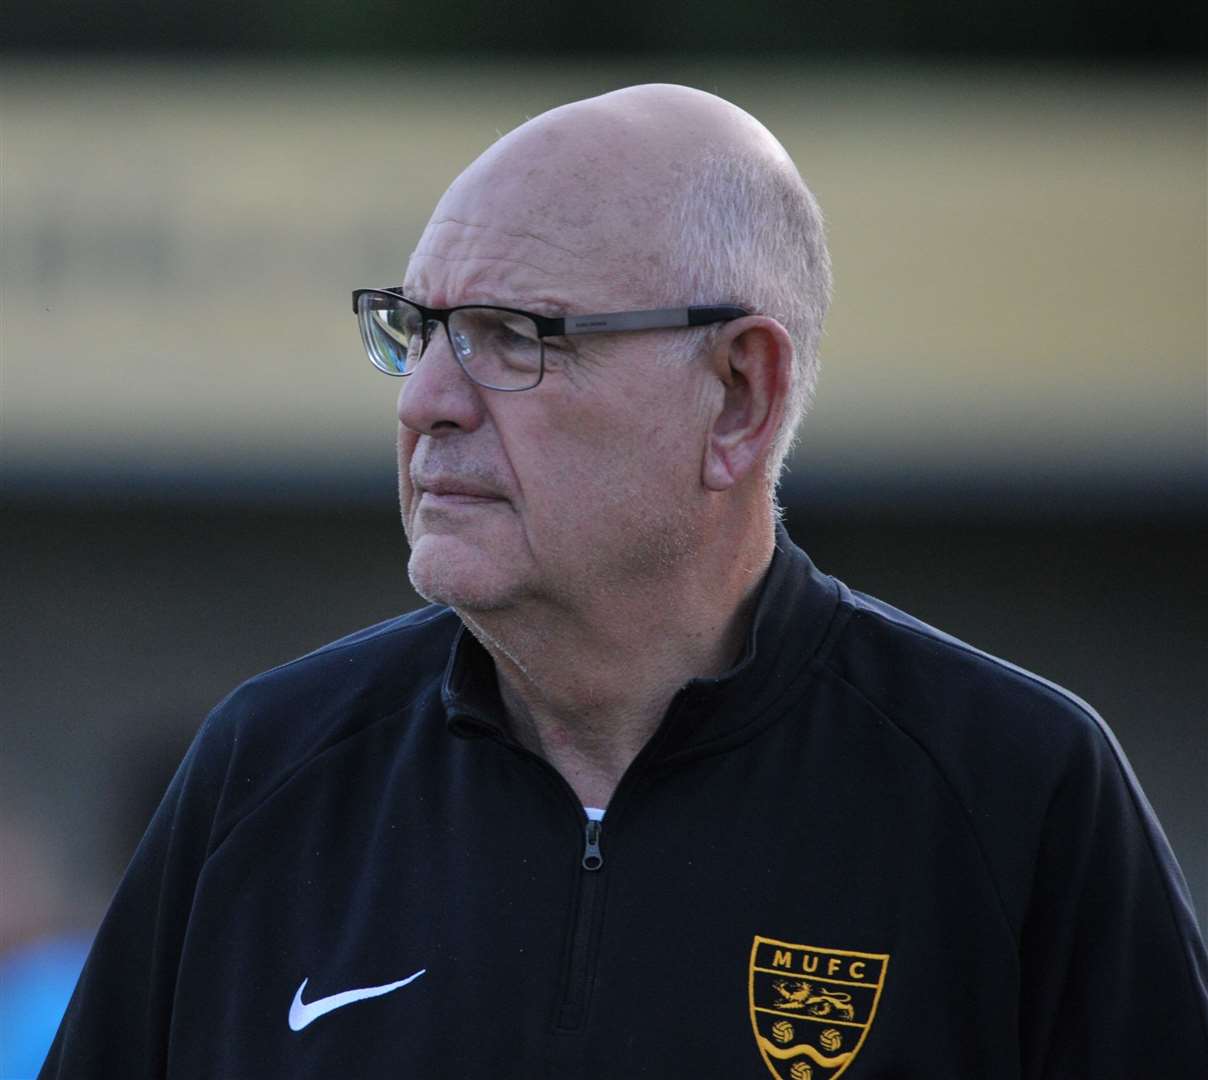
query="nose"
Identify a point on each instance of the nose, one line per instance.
(438, 396)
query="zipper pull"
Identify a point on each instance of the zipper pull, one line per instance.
(593, 859)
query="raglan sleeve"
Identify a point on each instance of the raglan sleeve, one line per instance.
(117, 1022)
(1113, 968)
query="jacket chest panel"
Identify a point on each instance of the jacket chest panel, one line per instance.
(680, 904)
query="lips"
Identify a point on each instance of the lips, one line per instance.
(451, 489)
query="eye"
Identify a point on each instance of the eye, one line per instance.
(403, 320)
(517, 330)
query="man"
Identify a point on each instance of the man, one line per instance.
(643, 792)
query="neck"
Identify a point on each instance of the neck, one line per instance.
(585, 686)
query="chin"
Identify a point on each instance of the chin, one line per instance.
(446, 570)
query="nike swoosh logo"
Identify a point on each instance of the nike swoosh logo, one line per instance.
(301, 1014)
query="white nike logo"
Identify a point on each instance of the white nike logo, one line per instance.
(301, 1014)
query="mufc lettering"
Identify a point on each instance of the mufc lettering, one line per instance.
(812, 963)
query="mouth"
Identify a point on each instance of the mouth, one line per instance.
(454, 498)
(449, 492)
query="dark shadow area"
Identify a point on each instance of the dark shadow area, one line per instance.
(930, 29)
(125, 624)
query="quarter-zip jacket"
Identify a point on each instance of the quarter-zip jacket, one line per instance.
(868, 849)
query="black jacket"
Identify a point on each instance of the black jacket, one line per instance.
(869, 849)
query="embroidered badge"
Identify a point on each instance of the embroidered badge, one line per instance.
(811, 1008)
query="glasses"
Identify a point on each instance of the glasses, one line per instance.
(499, 348)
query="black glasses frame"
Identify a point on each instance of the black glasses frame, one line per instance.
(609, 322)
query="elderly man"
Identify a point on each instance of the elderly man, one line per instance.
(643, 792)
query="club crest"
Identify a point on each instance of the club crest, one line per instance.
(811, 1008)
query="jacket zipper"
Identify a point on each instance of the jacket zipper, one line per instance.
(572, 1009)
(593, 858)
(572, 1001)
(589, 896)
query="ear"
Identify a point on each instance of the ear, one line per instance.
(753, 361)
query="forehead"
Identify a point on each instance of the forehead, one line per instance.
(537, 225)
(461, 262)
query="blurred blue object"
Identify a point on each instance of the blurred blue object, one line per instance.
(36, 981)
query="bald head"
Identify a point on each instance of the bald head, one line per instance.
(650, 196)
(633, 147)
(603, 176)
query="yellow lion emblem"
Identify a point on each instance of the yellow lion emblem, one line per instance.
(800, 995)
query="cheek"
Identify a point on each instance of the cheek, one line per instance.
(601, 461)
(595, 458)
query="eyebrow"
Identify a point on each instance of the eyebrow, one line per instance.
(550, 309)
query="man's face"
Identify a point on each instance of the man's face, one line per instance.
(563, 493)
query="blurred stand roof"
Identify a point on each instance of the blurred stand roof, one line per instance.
(1020, 259)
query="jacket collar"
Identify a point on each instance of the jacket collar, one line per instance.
(796, 607)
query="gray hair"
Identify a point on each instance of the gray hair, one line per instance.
(748, 231)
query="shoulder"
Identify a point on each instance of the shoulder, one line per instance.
(952, 697)
(1024, 759)
(276, 723)
(361, 673)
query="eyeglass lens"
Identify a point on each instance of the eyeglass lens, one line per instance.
(496, 349)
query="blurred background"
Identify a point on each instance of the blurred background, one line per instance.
(1009, 440)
